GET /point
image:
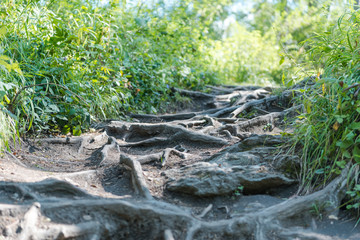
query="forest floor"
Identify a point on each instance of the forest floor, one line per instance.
(213, 170)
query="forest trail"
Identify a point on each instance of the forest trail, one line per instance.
(212, 171)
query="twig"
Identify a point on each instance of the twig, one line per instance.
(17, 161)
(205, 211)
(352, 86)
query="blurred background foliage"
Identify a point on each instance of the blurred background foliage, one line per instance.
(65, 63)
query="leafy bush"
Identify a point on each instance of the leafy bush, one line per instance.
(329, 130)
(78, 61)
(72, 62)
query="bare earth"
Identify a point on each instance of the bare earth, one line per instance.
(214, 171)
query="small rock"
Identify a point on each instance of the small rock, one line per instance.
(7, 232)
(208, 179)
(87, 217)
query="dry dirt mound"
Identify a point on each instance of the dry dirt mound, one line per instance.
(212, 173)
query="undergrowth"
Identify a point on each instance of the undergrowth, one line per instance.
(67, 63)
(7, 131)
(328, 133)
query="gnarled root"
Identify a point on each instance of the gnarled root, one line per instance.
(138, 179)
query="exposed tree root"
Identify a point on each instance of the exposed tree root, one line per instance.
(57, 209)
(174, 134)
(273, 222)
(161, 157)
(168, 235)
(67, 140)
(138, 180)
(112, 144)
(279, 221)
(147, 142)
(166, 118)
(15, 159)
(223, 111)
(247, 105)
(29, 222)
(268, 121)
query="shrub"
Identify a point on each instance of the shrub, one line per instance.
(328, 132)
(81, 62)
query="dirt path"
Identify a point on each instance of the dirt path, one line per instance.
(214, 171)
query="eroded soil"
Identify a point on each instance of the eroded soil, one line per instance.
(214, 171)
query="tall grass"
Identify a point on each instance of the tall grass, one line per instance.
(7, 131)
(328, 133)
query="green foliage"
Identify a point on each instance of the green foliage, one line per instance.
(7, 130)
(328, 132)
(245, 56)
(70, 62)
(264, 46)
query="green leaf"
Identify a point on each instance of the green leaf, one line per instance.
(283, 79)
(282, 59)
(344, 144)
(77, 130)
(347, 154)
(72, 112)
(356, 154)
(66, 129)
(350, 135)
(307, 105)
(355, 125)
(4, 57)
(341, 164)
(3, 31)
(339, 119)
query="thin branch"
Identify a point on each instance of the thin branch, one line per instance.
(352, 86)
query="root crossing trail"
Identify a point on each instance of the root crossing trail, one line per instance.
(214, 171)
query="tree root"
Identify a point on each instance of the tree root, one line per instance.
(247, 105)
(278, 221)
(15, 159)
(204, 212)
(138, 179)
(236, 129)
(67, 140)
(112, 144)
(146, 142)
(29, 222)
(173, 134)
(166, 118)
(68, 212)
(223, 111)
(28, 228)
(168, 235)
(160, 156)
(272, 222)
